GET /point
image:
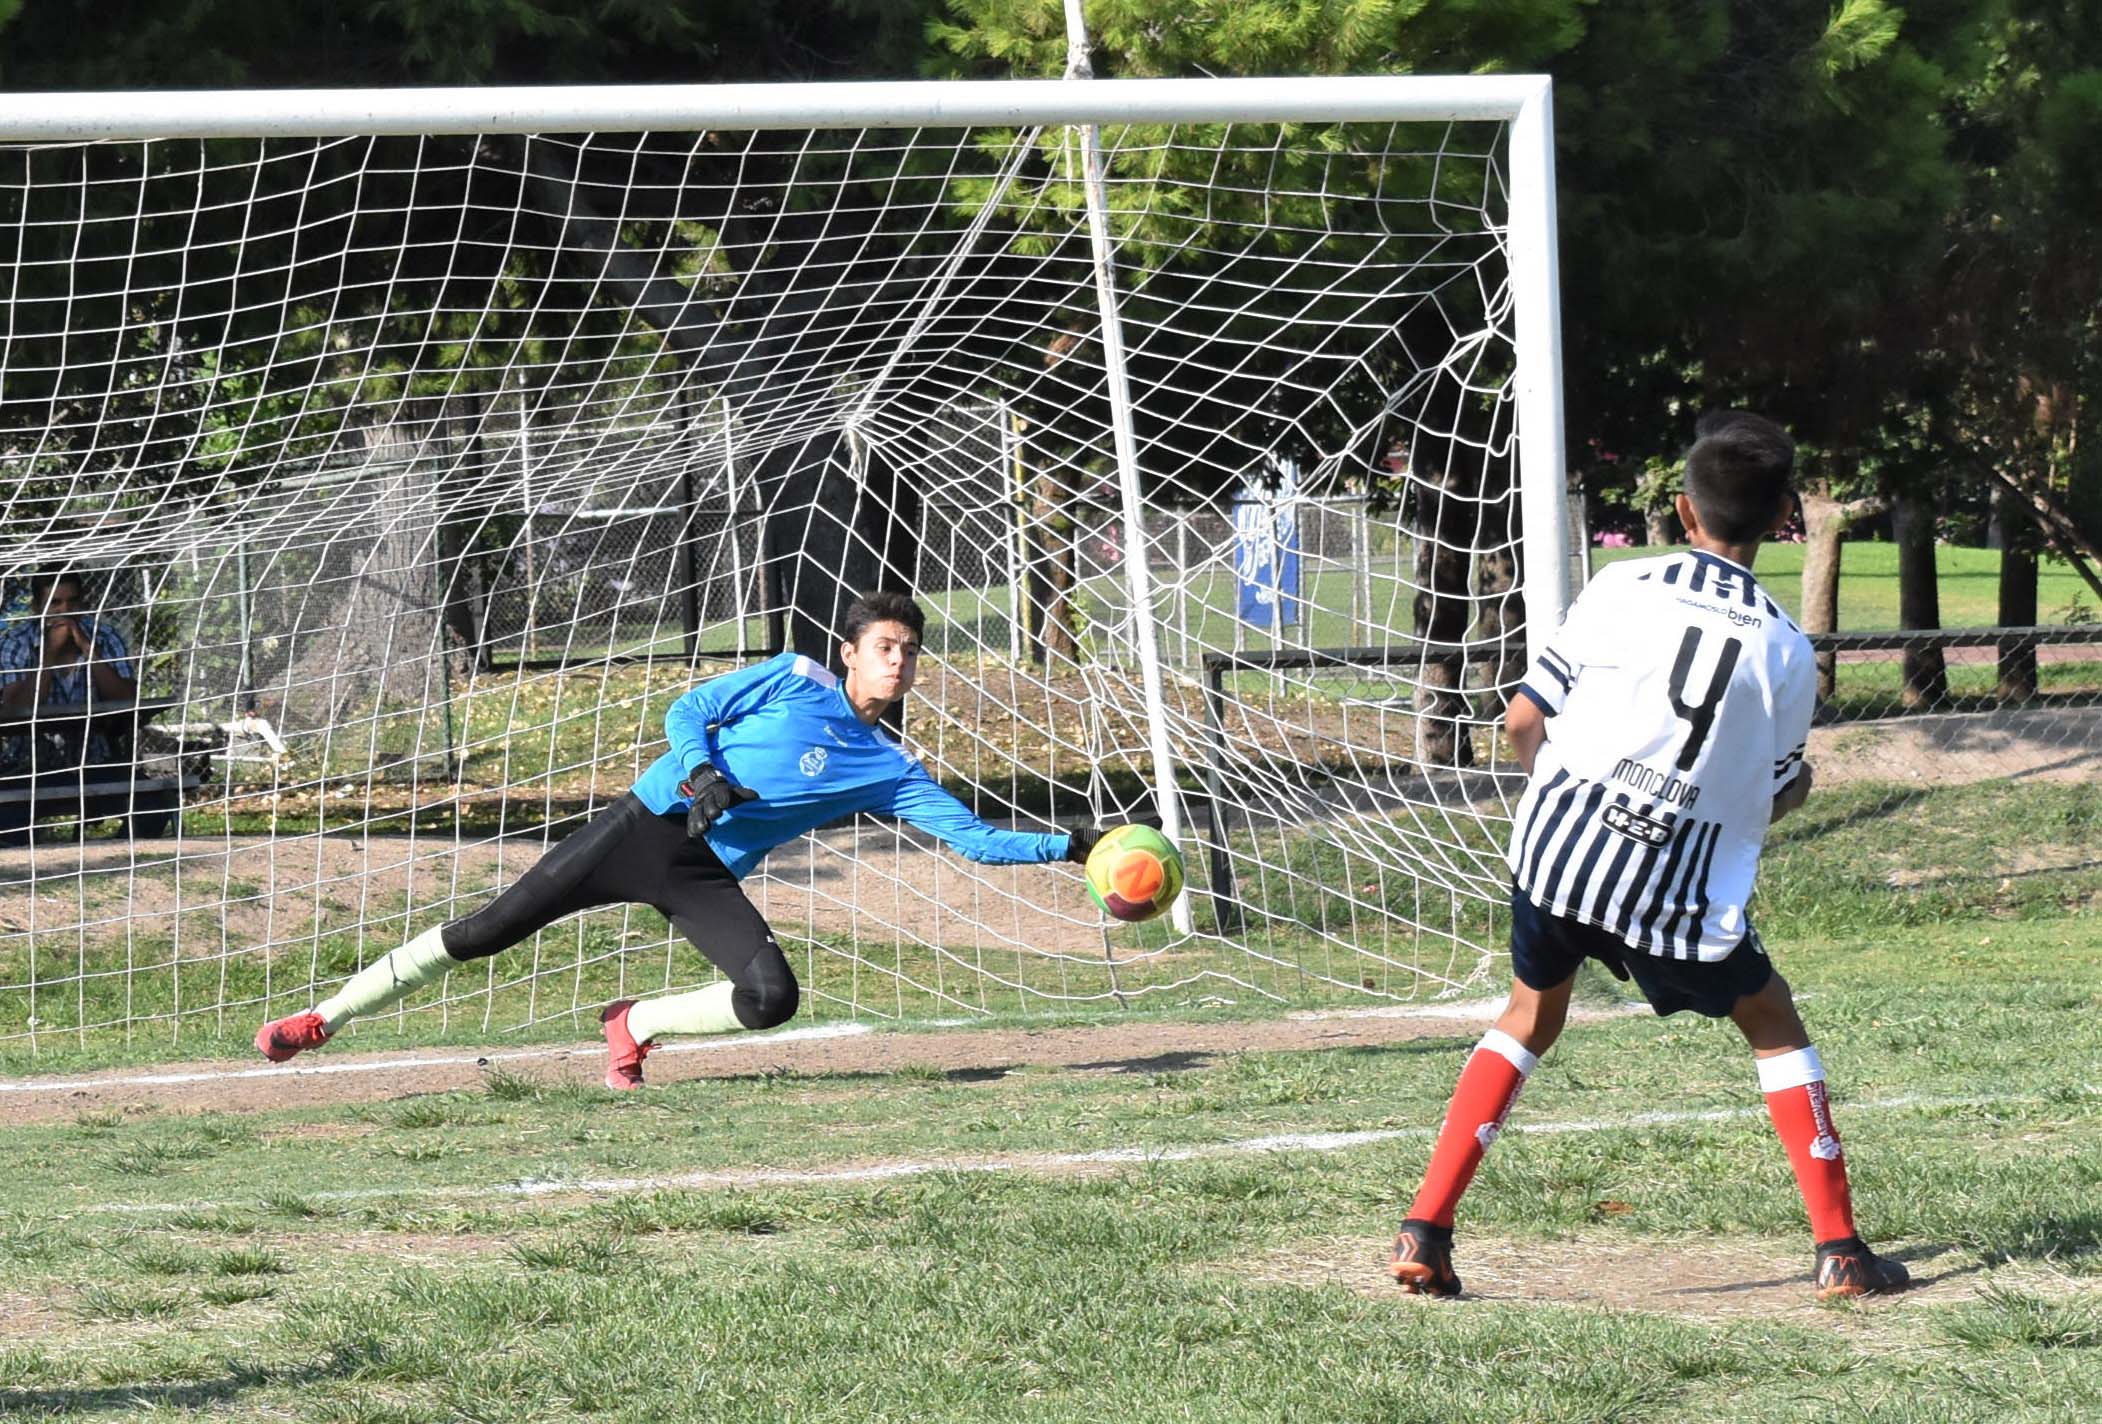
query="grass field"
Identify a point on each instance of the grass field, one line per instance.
(1871, 854)
(531, 1248)
(1968, 582)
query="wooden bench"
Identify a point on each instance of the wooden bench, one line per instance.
(146, 789)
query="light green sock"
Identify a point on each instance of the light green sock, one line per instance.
(703, 1011)
(383, 981)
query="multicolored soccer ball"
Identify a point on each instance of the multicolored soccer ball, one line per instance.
(1134, 872)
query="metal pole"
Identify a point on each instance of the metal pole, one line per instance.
(689, 572)
(1182, 585)
(244, 678)
(1226, 900)
(738, 592)
(1011, 535)
(1137, 575)
(1361, 572)
(691, 108)
(525, 488)
(1536, 289)
(1022, 595)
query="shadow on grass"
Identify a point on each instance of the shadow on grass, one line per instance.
(1876, 810)
(344, 1362)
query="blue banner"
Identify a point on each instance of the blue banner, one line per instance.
(1266, 551)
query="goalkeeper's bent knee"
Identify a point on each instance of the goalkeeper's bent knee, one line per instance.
(769, 998)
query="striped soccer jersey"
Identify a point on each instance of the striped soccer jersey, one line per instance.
(1679, 698)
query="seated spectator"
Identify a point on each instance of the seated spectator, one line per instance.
(62, 653)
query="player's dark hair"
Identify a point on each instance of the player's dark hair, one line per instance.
(1737, 473)
(882, 606)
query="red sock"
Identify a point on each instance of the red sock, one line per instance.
(1794, 1084)
(1487, 1088)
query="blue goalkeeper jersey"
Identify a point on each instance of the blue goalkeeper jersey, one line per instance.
(785, 730)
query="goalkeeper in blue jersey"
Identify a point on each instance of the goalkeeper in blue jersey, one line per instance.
(757, 758)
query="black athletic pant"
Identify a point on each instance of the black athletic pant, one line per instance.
(629, 855)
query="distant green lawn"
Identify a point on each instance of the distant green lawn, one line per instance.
(1968, 581)
(1342, 608)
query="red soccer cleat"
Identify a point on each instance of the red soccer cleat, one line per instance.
(280, 1040)
(623, 1054)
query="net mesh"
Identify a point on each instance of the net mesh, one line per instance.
(417, 476)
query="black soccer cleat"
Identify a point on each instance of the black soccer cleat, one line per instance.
(1847, 1268)
(1422, 1263)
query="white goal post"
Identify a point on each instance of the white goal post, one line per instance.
(445, 434)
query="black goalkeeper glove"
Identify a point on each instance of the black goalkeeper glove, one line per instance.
(1083, 840)
(712, 794)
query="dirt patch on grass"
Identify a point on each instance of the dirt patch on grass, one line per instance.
(26, 1315)
(1706, 1278)
(318, 1132)
(2056, 744)
(325, 1079)
(261, 895)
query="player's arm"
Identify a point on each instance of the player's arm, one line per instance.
(719, 699)
(1795, 703)
(1794, 794)
(1585, 639)
(1525, 723)
(919, 801)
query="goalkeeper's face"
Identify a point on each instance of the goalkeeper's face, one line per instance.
(882, 663)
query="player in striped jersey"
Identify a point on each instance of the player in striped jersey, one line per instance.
(1663, 731)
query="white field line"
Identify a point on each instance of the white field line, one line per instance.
(394, 1065)
(1039, 1162)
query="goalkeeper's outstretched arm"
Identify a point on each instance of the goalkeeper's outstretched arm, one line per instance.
(920, 801)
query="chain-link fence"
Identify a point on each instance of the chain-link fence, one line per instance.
(361, 630)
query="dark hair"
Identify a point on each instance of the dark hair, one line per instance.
(1738, 473)
(1714, 422)
(882, 606)
(44, 580)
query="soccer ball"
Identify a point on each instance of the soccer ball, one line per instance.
(1134, 872)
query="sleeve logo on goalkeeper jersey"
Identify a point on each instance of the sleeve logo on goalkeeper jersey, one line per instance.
(1636, 826)
(813, 761)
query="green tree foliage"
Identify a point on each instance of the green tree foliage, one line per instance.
(2022, 288)
(216, 310)
(1874, 220)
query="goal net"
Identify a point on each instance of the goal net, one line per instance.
(412, 452)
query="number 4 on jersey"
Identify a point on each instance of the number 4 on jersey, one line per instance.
(1700, 716)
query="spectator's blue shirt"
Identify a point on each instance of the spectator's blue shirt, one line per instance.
(786, 730)
(22, 654)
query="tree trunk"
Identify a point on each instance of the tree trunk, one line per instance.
(1500, 620)
(1825, 519)
(2017, 596)
(1441, 609)
(1660, 526)
(1926, 674)
(2072, 541)
(839, 523)
(1050, 556)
